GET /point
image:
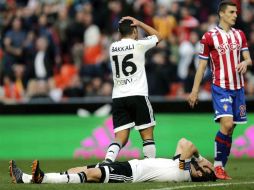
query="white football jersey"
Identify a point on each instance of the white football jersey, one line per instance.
(127, 58)
(158, 170)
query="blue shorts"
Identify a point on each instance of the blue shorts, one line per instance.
(229, 103)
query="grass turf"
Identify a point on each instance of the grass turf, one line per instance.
(241, 170)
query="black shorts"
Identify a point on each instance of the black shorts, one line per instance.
(132, 111)
(116, 172)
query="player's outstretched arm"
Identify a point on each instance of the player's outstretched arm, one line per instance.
(148, 29)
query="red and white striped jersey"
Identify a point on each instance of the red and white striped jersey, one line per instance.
(224, 49)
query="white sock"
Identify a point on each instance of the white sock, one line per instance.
(149, 149)
(113, 151)
(217, 163)
(62, 178)
(26, 178)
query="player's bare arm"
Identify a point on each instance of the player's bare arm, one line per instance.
(193, 97)
(148, 29)
(188, 150)
(242, 67)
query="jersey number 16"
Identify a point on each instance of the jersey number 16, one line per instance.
(128, 67)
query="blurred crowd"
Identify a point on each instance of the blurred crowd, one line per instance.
(58, 49)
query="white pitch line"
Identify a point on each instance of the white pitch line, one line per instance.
(205, 185)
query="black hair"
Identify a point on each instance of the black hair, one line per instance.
(223, 5)
(125, 27)
(205, 175)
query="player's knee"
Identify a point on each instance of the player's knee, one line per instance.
(228, 125)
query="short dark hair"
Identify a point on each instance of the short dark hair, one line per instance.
(223, 5)
(125, 27)
(205, 175)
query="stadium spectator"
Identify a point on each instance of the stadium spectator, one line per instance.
(93, 49)
(224, 45)
(75, 88)
(145, 10)
(42, 66)
(61, 26)
(158, 73)
(187, 165)
(187, 51)
(114, 12)
(12, 90)
(164, 23)
(13, 45)
(40, 70)
(173, 56)
(75, 33)
(45, 29)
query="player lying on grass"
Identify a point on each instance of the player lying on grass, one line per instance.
(187, 165)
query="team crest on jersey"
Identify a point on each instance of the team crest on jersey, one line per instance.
(242, 110)
(225, 107)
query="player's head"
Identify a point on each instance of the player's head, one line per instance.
(199, 174)
(126, 29)
(227, 12)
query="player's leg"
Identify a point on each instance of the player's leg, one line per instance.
(122, 123)
(145, 122)
(223, 106)
(228, 124)
(121, 138)
(149, 149)
(223, 140)
(87, 175)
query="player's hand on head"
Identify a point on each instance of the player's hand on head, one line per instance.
(192, 99)
(204, 163)
(135, 22)
(242, 67)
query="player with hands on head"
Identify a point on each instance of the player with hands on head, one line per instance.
(187, 165)
(131, 106)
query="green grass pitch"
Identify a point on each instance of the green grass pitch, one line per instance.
(241, 170)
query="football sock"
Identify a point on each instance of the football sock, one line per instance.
(230, 143)
(26, 178)
(64, 178)
(113, 151)
(222, 148)
(149, 149)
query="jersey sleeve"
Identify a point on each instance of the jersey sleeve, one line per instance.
(204, 47)
(148, 42)
(244, 41)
